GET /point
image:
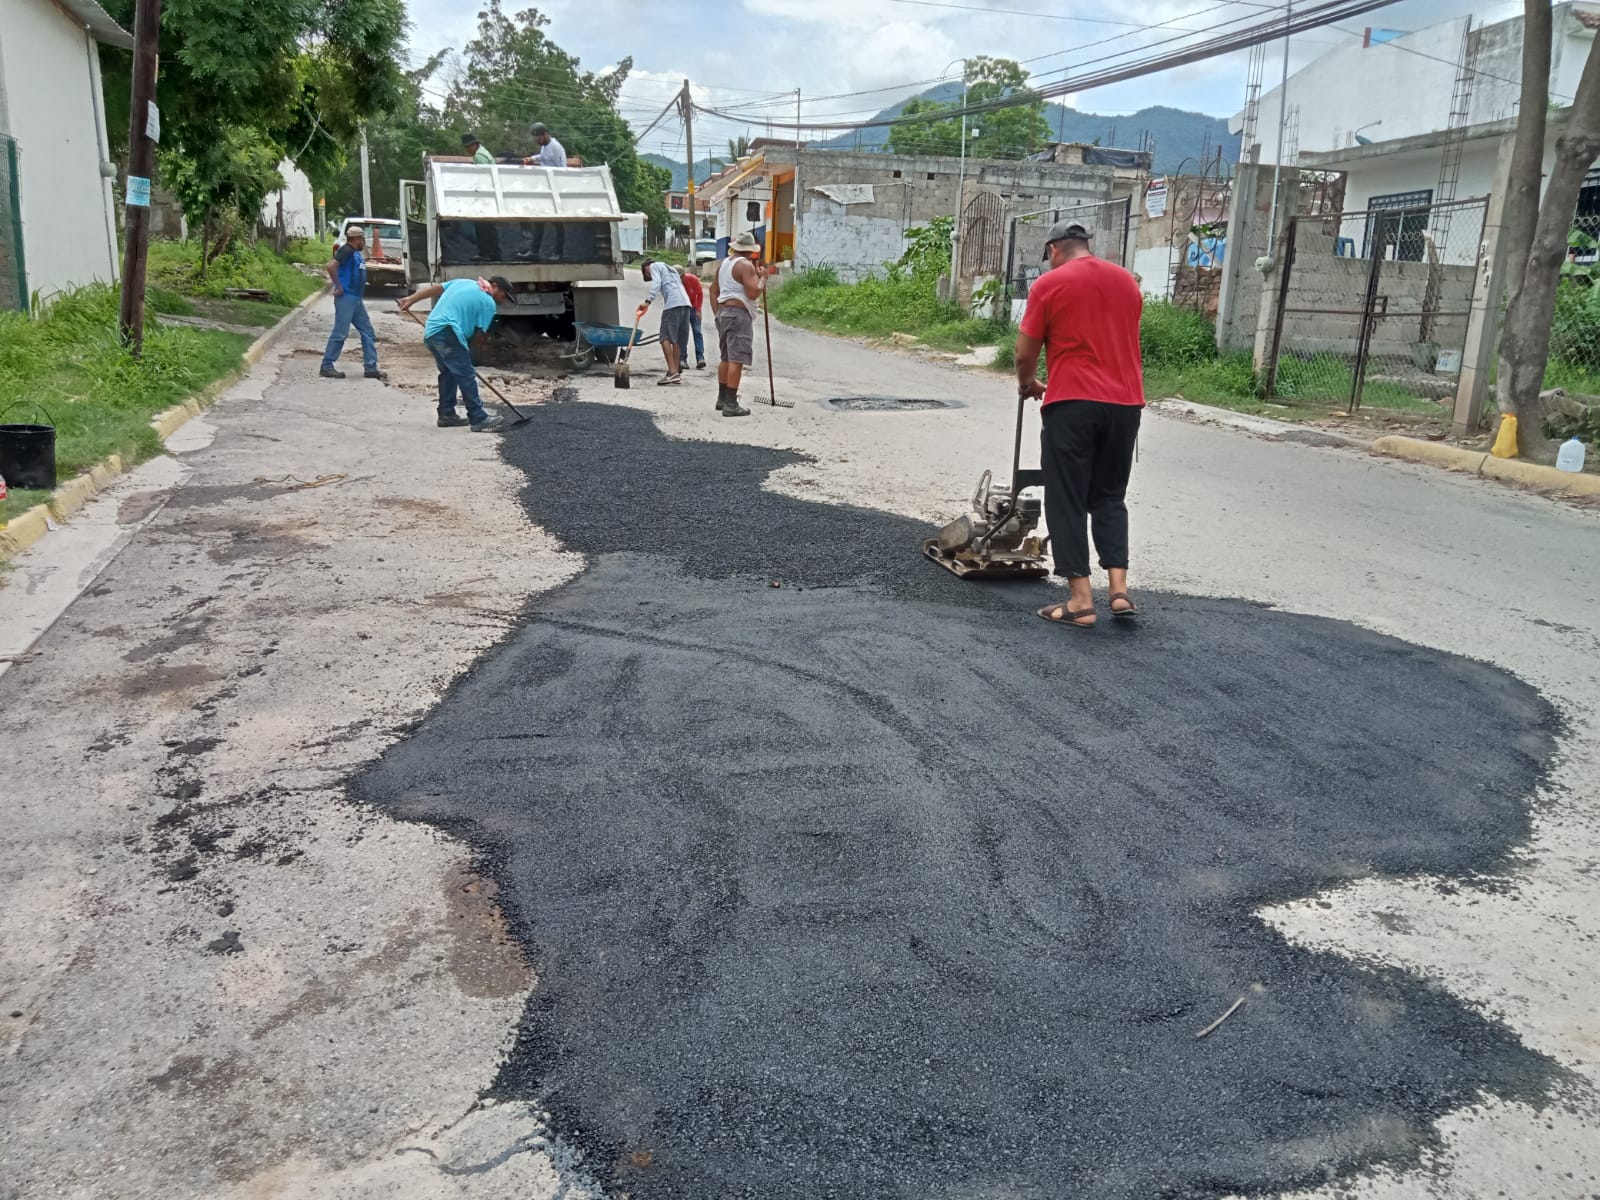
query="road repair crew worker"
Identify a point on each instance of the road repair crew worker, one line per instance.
(471, 144)
(697, 300)
(347, 271)
(1084, 313)
(734, 294)
(551, 152)
(461, 308)
(668, 284)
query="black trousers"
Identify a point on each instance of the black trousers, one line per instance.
(1086, 451)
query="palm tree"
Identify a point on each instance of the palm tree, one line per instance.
(738, 147)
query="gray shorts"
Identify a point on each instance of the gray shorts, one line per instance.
(736, 334)
(674, 325)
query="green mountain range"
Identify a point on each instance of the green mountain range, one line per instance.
(1182, 139)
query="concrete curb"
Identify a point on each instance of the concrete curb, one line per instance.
(22, 532)
(1477, 462)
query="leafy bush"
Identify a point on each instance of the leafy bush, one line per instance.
(176, 266)
(1173, 336)
(1575, 330)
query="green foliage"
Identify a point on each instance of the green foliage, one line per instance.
(68, 355)
(398, 139)
(176, 266)
(1009, 133)
(927, 252)
(1575, 329)
(243, 86)
(1173, 336)
(899, 301)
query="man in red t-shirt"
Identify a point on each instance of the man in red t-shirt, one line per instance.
(1084, 314)
(697, 297)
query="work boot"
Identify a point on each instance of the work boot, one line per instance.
(331, 373)
(490, 425)
(452, 421)
(722, 397)
(375, 374)
(732, 408)
(701, 365)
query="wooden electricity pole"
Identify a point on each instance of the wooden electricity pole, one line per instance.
(143, 132)
(688, 143)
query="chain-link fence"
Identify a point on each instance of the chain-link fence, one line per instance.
(13, 268)
(1025, 262)
(1575, 333)
(1372, 306)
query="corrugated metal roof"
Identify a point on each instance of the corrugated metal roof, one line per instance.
(98, 22)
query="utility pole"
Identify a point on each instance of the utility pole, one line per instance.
(141, 160)
(961, 187)
(366, 176)
(1283, 122)
(688, 143)
(794, 221)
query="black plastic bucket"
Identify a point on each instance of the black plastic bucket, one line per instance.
(28, 452)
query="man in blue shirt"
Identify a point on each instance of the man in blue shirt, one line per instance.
(348, 273)
(461, 308)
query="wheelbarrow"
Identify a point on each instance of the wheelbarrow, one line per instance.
(602, 342)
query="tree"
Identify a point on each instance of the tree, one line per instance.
(738, 147)
(397, 142)
(1536, 230)
(244, 86)
(1013, 132)
(512, 74)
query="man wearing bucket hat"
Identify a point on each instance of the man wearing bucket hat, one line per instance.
(1084, 313)
(471, 144)
(348, 274)
(734, 294)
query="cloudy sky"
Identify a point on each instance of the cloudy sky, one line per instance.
(851, 58)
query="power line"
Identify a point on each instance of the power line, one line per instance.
(1312, 17)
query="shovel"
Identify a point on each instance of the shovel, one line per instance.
(619, 377)
(522, 418)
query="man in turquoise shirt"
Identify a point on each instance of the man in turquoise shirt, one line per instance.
(461, 308)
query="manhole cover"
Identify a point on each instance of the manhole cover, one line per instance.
(885, 403)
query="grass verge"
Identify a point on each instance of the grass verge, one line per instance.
(898, 301)
(68, 358)
(175, 268)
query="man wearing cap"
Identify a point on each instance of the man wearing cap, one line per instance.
(347, 272)
(1084, 313)
(470, 143)
(551, 152)
(461, 308)
(735, 292)
(666, 283)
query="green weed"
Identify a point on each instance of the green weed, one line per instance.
(176, 266)
(67, 358)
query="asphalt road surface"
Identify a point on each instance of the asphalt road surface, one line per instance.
(403, 813)
(872, 883)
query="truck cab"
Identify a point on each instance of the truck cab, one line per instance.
(553, 233)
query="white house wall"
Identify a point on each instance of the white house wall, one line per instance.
(299, 204)
(853, 244)
(52, 85)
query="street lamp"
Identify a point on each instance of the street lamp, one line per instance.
(1361, 141)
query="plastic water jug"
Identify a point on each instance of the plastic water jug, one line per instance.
(1570, 456)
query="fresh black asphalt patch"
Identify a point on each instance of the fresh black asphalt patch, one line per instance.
(873, 885)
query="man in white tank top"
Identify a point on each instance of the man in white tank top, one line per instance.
(734, 294)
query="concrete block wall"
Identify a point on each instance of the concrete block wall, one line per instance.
(1337, 287)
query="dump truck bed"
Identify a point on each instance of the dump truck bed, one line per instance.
(499, 191)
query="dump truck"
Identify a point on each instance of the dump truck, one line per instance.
(553, 233)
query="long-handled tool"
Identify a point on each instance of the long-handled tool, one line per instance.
(522, 418)
(996, 540)
(766, 320)
(619, 377)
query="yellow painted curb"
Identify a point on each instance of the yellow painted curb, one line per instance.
(21, 532)
(1477, 462)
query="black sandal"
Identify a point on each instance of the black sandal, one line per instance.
(1126, 613)
(1070, 618)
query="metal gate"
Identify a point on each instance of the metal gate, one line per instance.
(13, 267)
(1106, 219)
(983, 224)
(1372, 306)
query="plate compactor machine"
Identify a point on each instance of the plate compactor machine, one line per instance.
(997, 539)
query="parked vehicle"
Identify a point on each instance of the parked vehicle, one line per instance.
(552, 234)
(705, 250)
(385, 250)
